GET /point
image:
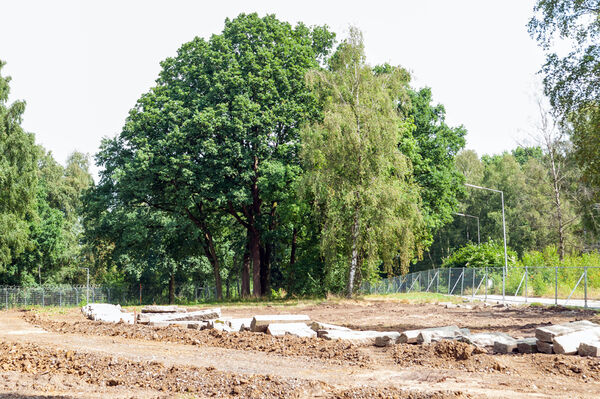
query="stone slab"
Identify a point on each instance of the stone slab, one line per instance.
(430, 335)
(412, 336)
(240, 324)
(547, 334)
(295, 329)
(317, 325)
(163, 309)
(527, 345)
(589, 349)
(505, 345)
(545, 347)
(568, 344)
(484, 339)
(261, 322)
(197, 315)
(355, 337)
(107, 312)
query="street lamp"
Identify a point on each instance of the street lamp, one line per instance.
(504, 271)
(474, 217)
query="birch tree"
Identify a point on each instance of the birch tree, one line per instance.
(361, 180)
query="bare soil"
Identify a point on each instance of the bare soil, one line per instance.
(64, 355)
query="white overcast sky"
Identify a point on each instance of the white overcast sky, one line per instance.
(81, 65)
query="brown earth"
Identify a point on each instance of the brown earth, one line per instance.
(64, 355)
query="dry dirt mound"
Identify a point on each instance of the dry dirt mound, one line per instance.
(570, 366)
(448, 355)
(360, 393)
(335, 351)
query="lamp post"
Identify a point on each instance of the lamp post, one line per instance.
(504, 271)
(474, 217)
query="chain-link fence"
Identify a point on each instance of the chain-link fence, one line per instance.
(12, 297)
(576, 286)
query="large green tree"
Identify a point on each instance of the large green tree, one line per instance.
(361, 180)
(18, 178)
(218, 134)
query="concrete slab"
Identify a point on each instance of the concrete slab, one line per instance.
(163, 309)
(261, 322)
(295, 329)
(568, 344)
(548, 333)
(527, 345)
(505, 345)
(412, 336)
(545, 347)
(106, 312)
(484, 339)
(429, 335)
(589, 349)
(317, 325)
(240, 324)
(205, 314)
(355, 337)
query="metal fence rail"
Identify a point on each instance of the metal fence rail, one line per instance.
(13, 297)
(576, 286)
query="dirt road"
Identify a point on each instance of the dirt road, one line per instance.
(123, 361)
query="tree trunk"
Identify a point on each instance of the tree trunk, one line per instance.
(557, 202)
(246, 271)
(255, 256)
(172, 289)
(215, 264)
(354, 260)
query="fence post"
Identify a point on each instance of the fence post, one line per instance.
(473, 285)
(437, 283)
(486, 282)
(462, 283)
(6, 295)
(504, 270)
(428, 278)
(43, 298)
(556, 285)
(449, 277)
(526, 276)
(585, 286)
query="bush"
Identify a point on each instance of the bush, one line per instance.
(489, 254)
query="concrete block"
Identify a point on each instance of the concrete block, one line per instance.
(548, 333)
(544, 347)
(261, 322)
(295, 329)
(198, 315)
(412, 336)
(505, 345)
(568, 344)
(240, 324)
(163, 309)
(355, 337)
(484, 339)
(159, 324)
(106, 312)
(527, 345)
(429, 335)
(197, 325)
(317, 325)
(589, 349)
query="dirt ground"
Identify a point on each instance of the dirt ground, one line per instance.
(62, 355)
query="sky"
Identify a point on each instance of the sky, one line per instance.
(82, 65)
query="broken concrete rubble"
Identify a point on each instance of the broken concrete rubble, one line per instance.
(545, 347)
(483, 339)
(547, 334)
(317, 325)
(527, 345)
(261, 322)
(505, 345)
(356, 337)
(163, 309)
(430, 335)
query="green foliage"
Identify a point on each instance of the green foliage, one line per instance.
(488, 254)
(18, 180)
(361, 181)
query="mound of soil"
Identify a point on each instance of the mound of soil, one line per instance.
(334, 351)
(448, 355)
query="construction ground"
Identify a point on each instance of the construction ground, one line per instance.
(57, 353)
